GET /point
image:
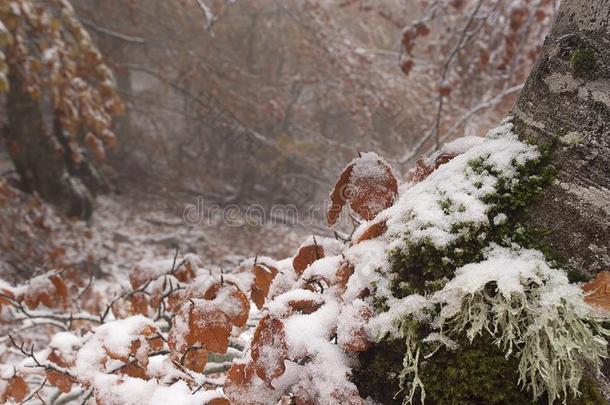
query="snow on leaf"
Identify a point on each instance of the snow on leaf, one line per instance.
(344, 272)
(59, 380)
(373, 231)
(49, 290)
(232, 300)
(200, 323)
(367, 184)
(269, 349)
(352, 333)
(238, 385)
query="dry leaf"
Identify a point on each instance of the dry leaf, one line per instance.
(424, 169)
(200, 324)
(51, 291)
(238, 384)
(59, 380)
(305, 256)
(269, 349)
(598, 291)
(367, 184)
(195, 359)
(263, 276)
(345, 271)
(234, 302)
(16, 388)
(305, 306)
(373, 231)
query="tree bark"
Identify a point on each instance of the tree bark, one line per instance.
(566, 100)
(38, 157)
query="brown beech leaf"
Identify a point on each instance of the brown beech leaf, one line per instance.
(263, 276)
(132, 369)
(598, 291)
(424, 169)
(305, 306)
(373, 231)
(233, 301)
(6, 301)
(238, 384)
(146, 339)
(200, 324)
(367, 184)
(345, 271)
(51, 291)
(269, 349)
(353, 336)
(185, 273)
(16, 388)
(59, 380)
(338, 195)
(218, 401)
(195, 359)
(138, 304)
(305, 256)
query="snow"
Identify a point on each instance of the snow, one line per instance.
(65, 342)
(279, 306)
(114, 390)
(385, 323)
(418, 213)
(114, 337)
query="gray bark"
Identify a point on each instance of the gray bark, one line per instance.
(567, 100)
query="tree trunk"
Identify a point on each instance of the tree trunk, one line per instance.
(38, 157)
(566, 100)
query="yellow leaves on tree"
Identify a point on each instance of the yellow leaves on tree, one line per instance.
(367, 185)
(598, 291)
(45, 45)
(49, 290)
(269, 349)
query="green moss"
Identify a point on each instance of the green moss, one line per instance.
(591, 394)
(418, 267)
(378, 375)
(583, 61)
(475, 373)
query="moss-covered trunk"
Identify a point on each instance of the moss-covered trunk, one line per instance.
(567, 99)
